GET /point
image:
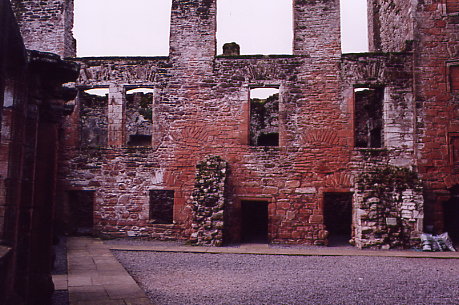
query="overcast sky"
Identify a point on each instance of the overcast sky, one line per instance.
(141, 27)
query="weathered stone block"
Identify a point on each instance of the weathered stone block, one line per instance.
(306, 190)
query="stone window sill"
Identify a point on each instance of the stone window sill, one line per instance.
(167, 225)
(364, 149)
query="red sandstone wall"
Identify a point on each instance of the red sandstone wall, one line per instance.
(215, 122)
(437, 47)
(436, 35)
(201, 107)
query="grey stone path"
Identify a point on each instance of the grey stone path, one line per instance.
(95, 277)
(264, 249)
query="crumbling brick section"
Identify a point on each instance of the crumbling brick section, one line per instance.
(208, 202)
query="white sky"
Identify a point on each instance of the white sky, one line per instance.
(141, 27)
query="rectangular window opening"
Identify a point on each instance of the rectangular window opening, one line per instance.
(122, 28)
(161, 206)
(93, 117)
(264, 117)
(139, 116)
(236, 24)
(368, 117)
(354, 26)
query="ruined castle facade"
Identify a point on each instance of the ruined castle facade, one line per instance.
(365, 145)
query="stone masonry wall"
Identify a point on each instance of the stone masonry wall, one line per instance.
(200, 108)
(390, 25)
(388, 207)
(12, 65)
(311, 20)
(46, 25)
(437, 45)
(222, 128)
(436, 48)
(393, 73)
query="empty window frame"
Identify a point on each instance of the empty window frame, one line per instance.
(264, 117)
(123, 28)
(452, 6)
(139, 114)
(161, 206)
(354, 26)
(236, 24)
(93, 117)
(368, 117)
(454, 78)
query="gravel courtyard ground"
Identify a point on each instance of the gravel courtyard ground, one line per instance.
(184, 278)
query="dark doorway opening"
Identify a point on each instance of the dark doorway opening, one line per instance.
(81, 209)
(338, 217)
(254, 221)
(161, 206)
(268, 139)
(451, 215)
